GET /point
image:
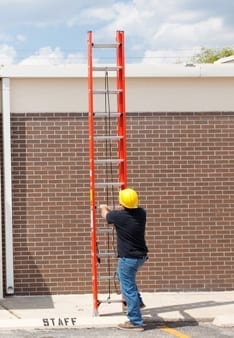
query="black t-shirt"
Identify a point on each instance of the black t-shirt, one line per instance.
(130, 229)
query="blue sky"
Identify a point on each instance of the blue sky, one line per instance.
(55, 31)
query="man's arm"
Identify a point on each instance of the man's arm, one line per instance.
(104, 210)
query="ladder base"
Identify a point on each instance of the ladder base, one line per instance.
(110, 301)
(95, 313)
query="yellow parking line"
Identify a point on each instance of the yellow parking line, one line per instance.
(174, 332)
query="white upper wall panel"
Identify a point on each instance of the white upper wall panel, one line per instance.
(48, 95)
(151, 88)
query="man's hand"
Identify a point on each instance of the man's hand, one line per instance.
(103, 206)
(104, 210)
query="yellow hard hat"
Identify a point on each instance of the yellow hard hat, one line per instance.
(128, 198)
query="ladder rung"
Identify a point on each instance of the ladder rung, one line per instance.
(108, 301)
(115, 91)
(107, 114)
(109, 184)
(109, 161)
(107, 277)
(103, 138)
(105, 45)
(107, 254)
(106, 68)
(105, 231)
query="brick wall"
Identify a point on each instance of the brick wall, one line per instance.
(181, 164)
(50, 209)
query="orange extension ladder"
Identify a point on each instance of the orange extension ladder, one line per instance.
(107, 151)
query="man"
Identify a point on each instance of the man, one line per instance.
(129, 221)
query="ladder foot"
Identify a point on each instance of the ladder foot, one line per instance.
(95, 313)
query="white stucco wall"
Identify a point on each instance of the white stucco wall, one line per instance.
(148, 88)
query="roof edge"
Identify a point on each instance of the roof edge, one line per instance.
(132, 71)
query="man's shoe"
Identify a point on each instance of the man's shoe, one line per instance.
(130, 327)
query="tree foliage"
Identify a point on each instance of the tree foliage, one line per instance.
(211, 55)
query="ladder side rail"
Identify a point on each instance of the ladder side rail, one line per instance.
(121, 108)
(92, 175)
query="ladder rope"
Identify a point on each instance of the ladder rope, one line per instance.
(108, 133)
(109, 172)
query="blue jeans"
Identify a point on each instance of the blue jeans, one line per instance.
(127, 270)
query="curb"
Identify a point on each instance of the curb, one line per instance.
(53, 322)
(101, 322)
(224, 321)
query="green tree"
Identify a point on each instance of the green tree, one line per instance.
(211, 55)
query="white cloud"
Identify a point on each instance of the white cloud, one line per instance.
(121, 16)
(4, 37)
(21, 38)
(46, 13)
(95, 15)
(36, 13)
(50, 56)
(45, 56)
(7, 54)
(170, 55)
(158, 26)
(184, 35)
(76, 58)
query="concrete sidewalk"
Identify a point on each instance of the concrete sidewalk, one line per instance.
(76, 310)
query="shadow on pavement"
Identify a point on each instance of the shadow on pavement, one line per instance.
(27, 302)
(153, 317)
